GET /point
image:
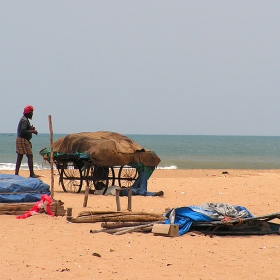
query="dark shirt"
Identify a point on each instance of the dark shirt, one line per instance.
(24, 128)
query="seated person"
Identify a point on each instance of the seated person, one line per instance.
(140, 187)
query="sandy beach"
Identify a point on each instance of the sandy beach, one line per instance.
(44, 247)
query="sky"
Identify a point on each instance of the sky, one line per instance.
(141, 66)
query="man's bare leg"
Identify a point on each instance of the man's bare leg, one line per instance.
(18, 163)
(30, 164)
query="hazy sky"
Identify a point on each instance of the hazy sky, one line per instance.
(142, 67)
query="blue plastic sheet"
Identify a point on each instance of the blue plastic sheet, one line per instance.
(185, 216)
(15, 189)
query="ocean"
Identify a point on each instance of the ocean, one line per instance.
(175, 151)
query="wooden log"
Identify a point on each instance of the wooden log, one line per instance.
(133, 229)
(122, 224)
(111, 230)
(125, 214)
(146, 229)
(117, 217)
(92, 213)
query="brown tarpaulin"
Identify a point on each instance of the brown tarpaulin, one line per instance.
(106, 148)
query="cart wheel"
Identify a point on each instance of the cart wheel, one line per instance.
(127, 176)
(71, 177)
(102, 177)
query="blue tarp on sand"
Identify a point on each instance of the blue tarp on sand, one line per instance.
(185, 216)
(15, 189)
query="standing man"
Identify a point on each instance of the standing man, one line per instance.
(23, 144)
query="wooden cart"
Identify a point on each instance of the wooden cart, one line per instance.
(99, 159)
(73, 173)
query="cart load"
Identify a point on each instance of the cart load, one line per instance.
(95, 157)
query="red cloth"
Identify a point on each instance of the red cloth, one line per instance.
(44, 205)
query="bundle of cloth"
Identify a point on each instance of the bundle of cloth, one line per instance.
(41, 206)
(207, 212)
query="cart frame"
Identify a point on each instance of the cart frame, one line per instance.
(73, 172)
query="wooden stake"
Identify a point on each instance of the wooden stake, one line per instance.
(129, 197)
(51, 155)
(86, 196)
(118, 200)
(69, 214)
(86, 169)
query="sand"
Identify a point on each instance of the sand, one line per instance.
(44, 247)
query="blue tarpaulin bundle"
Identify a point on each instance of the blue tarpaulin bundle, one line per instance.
(207, 212)
(15, 189)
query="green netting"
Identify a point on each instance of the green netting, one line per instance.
(47, 152)
(148, 170)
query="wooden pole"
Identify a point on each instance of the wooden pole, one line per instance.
(69, 214)
(51, 156)
(86, 196)
(129, 197)
(118, 199)
(87, 186)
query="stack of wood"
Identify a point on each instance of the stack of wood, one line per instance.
(116, 216)
(120, 222)
(20, 208)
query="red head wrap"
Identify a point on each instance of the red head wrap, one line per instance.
(28, 109)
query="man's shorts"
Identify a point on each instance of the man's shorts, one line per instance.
(23, 146)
